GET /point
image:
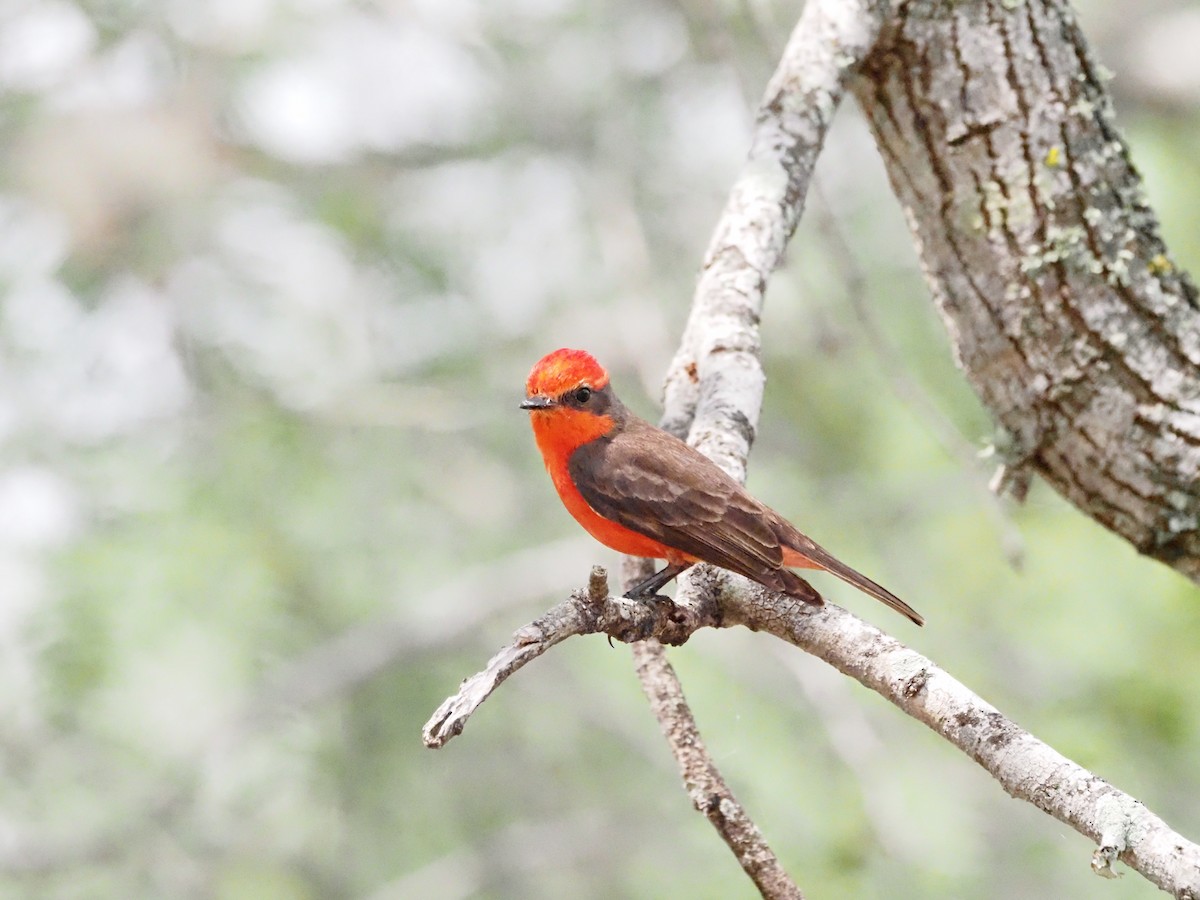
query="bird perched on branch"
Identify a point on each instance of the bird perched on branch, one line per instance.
(644, 492)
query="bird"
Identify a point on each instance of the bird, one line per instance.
(642, 491)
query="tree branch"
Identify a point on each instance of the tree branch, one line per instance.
(706, 787)
(592, 611)
(1027, 768)
(1068, 315)
(713, 390)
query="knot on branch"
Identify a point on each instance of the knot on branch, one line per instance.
(1112, 820)
(596, 611)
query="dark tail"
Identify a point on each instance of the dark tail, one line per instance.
(878, 591)
(823, 559)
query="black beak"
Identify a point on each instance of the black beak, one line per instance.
(537, 403)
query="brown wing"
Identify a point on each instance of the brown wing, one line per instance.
(653, 483)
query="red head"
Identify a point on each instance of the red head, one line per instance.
(563, 370)
(571, 403)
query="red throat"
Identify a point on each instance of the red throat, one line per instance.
(559, 432)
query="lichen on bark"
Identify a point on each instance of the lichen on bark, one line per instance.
(1066, 311)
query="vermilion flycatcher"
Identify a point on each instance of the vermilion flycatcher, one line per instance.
(644, 492)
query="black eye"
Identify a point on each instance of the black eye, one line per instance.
(583, 394)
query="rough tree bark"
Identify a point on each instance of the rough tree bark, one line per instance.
(1067, 314)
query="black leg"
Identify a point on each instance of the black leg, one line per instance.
(649, 587)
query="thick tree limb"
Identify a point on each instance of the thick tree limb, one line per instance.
(1066, 311)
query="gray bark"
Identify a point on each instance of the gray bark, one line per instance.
(1067, 313)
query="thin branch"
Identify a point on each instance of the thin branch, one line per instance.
(713, 391)
(596, 611)
(1026, 767)
(719, 352)
(707, 789)
(593, 611)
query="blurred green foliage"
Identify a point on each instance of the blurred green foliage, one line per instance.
(272, 276)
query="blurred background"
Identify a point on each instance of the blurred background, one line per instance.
(272, 274)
